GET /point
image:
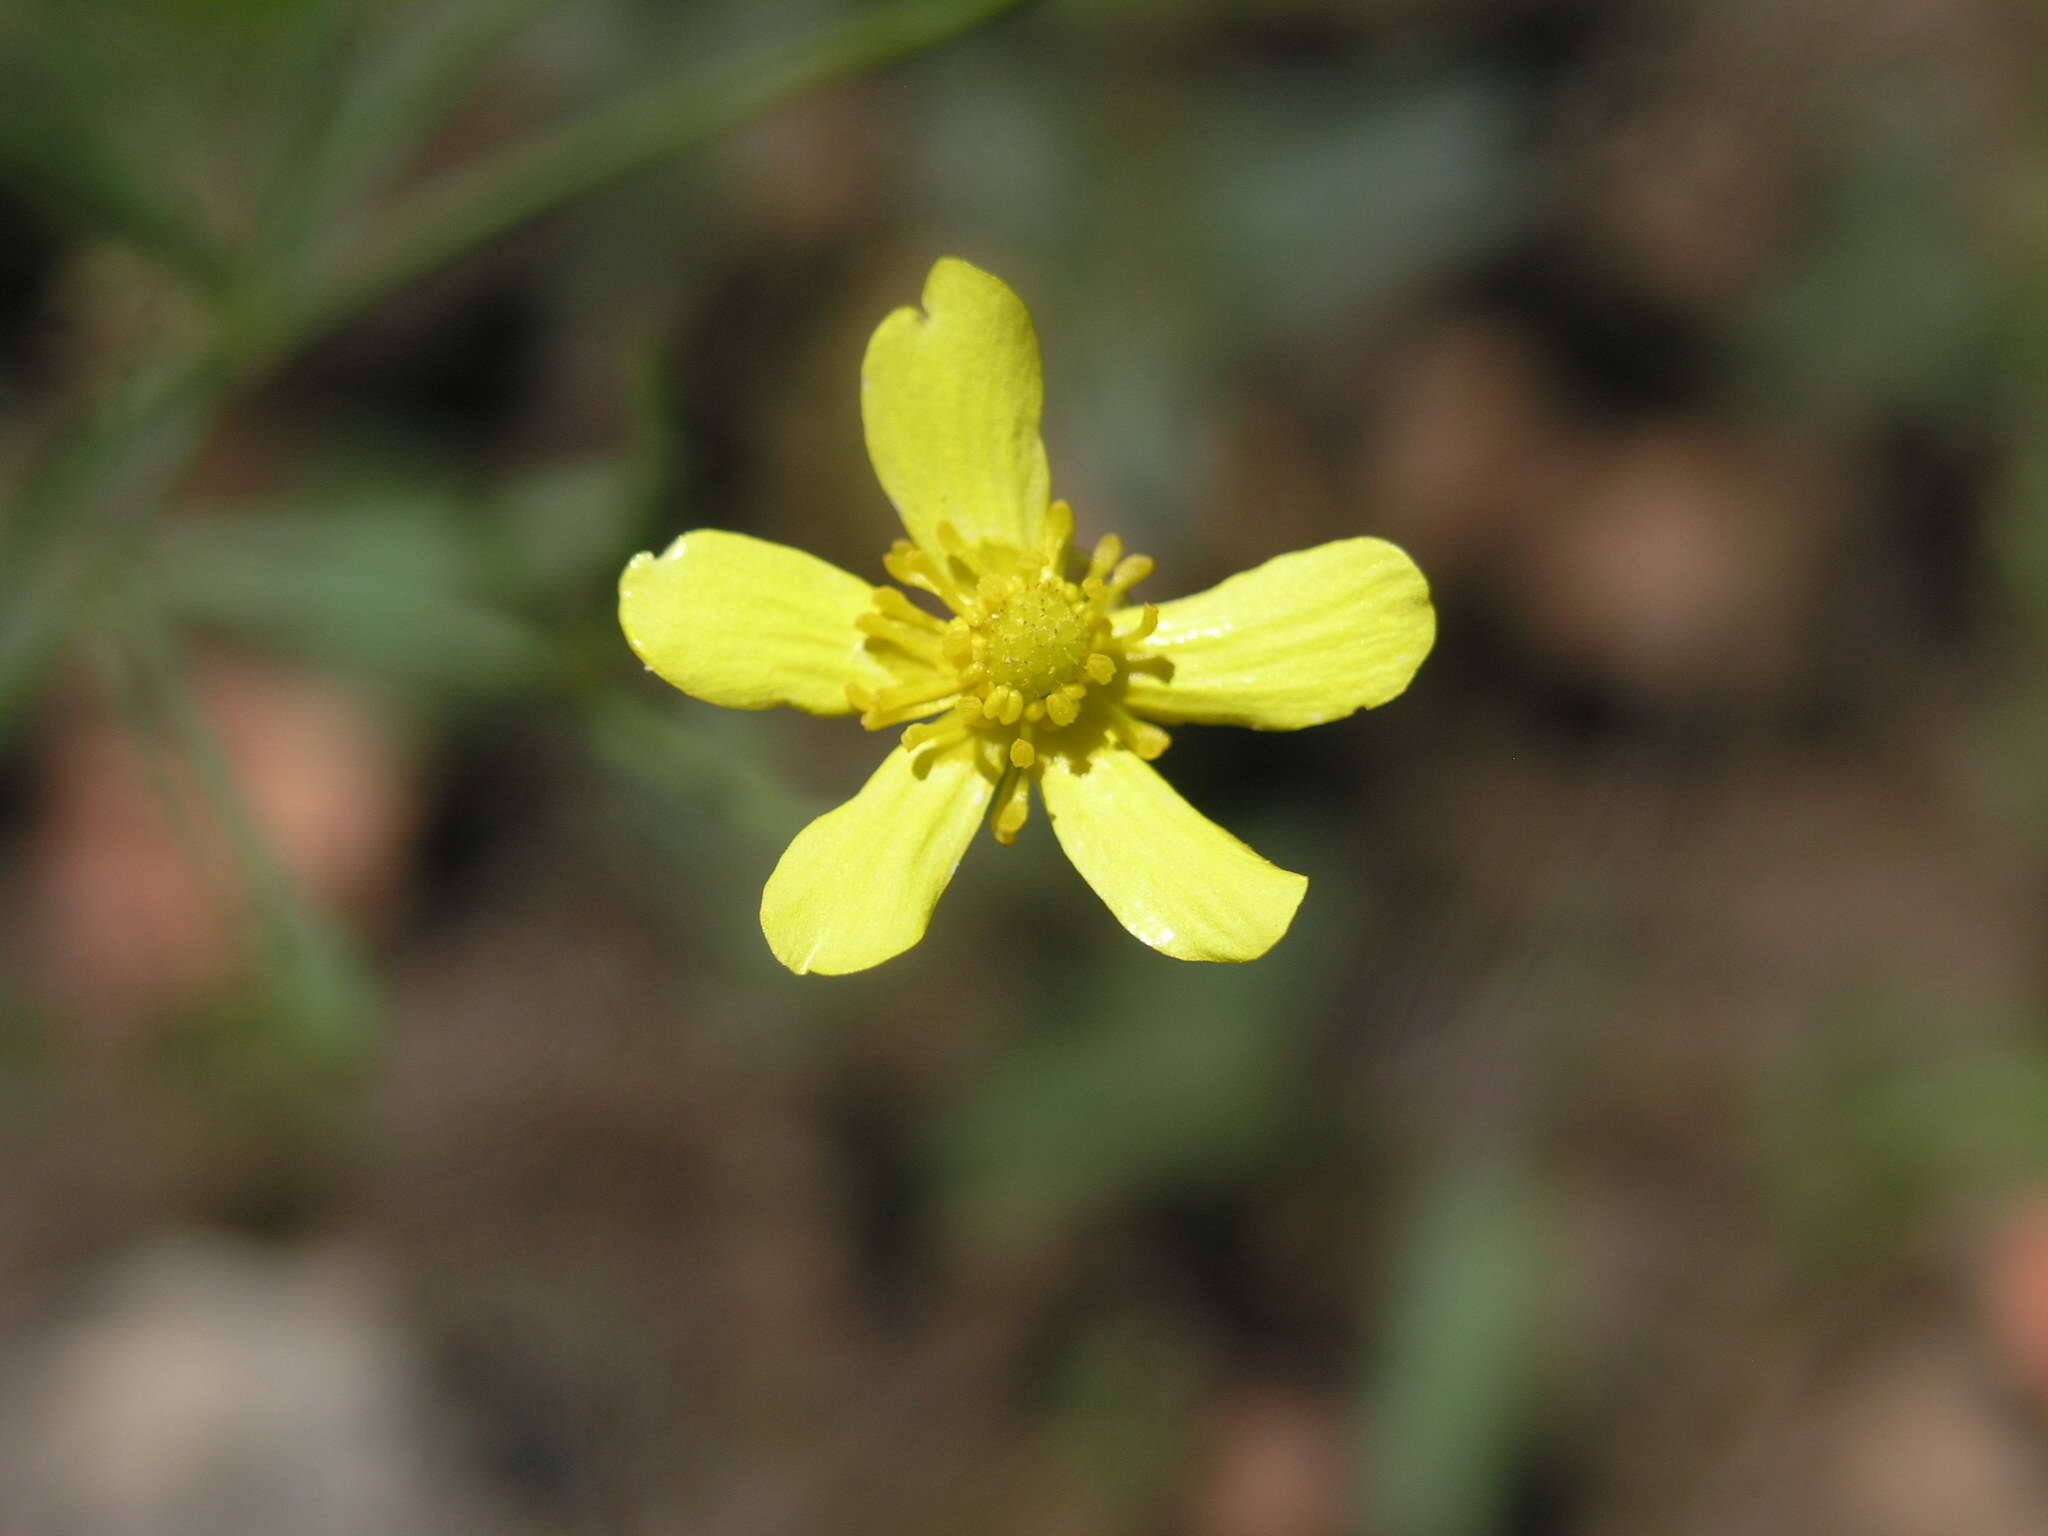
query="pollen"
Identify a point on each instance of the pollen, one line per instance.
(1031, 647)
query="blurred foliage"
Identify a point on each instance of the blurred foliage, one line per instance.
(360, 580)
(1167, 1079)
(1123, 1401)
(1888, 307)
(412, 582)
(1868, 1134)
(1467, 1320)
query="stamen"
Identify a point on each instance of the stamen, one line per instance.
(942, 732)
(1018, 654)
(895, 705)
(896, 606)
(955, 544)
(938, 686)
(1129, 572)
(1059, 533)
(1012, 807)
(902, 636)
(1141, 736)
(914, 568)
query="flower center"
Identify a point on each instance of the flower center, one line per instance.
(1037, 640)
(1018, 657)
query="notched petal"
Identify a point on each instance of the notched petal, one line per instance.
(950, 399)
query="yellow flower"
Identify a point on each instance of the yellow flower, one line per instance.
(1041, 672)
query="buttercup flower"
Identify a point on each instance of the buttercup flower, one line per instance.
(1040, 672)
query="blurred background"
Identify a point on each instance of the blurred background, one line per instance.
(403, 1125)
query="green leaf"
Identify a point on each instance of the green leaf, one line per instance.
(1124, 1398)
(374, 579)
(612, 142)
(1172, 1073)
(1452, 1391)
(318, 986)
(1888, 306)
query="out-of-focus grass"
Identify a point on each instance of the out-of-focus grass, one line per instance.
(259, 134)
(1472, 1300)
(1156, 1077)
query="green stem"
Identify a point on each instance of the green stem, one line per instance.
(612, 143)
(89, 498)
(650, 744)
(95, 491)
(326, 993)
(362, 121)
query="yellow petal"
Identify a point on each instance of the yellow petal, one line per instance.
(858, 885)
(1172, 876)
(748, 624)
(1304, 638)
(950, 398)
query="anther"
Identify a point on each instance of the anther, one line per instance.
(904, 702)
(918, 642)
(897, 606)
(1129, 572)
(1100, 667)
(1059, 532)
(1141, 736)
(1013, 806)
(914, 568)
(1022, 753)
